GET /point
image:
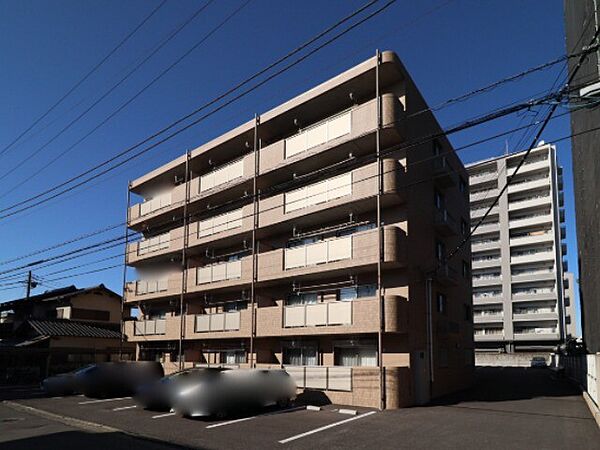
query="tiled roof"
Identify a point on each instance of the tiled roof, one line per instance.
(56, 295)
(60, 327)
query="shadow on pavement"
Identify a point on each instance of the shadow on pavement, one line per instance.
(500, 384)
(76, 440)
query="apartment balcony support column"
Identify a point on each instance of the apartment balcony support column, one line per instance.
(380, 292)
(256, 144)
(125, 257)
(184, 268)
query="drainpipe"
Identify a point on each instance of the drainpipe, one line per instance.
(254, 246)
(382, 392)
(429, 301)
(125, 259)
(184, 260)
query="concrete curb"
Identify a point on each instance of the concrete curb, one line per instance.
(593, 407)
(85, 425)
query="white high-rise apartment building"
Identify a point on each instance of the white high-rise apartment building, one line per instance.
(517, 253)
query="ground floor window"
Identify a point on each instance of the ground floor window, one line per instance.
(233, 357)
(300, 356)
(355, 356)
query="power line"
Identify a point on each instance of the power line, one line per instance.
(131, 99)
(85, 77)
(206, 105)
(531, 147)
(108, 92)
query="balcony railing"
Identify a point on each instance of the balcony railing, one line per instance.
(320, 377)
(154, 244)
(223, 222)
(317, 193)
(154, 204)
(338, 313)
(318, 253)
(222, 175)
(318, 134)
(143, 287)
(228, 321)
(150, 327)
(218, 272)
(546, 330)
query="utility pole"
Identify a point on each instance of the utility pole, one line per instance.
(30, 283)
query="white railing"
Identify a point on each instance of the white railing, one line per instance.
(154, 204)
(489, 332)
(533, 291)
(228, 321)
(320, 133)
(154, 244)
(319, 377)
(518, 273)
(218, 272)
(222, 175)
(151, 286)
(318, 253)
(487, 313)
(321, 192)
(223, 222)
(518, 311)
(487, 294)
(150, 327)
(338, 313)
(536, 330)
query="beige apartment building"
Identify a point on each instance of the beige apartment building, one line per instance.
(314, 238)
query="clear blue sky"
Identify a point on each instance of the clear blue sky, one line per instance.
(45, 47)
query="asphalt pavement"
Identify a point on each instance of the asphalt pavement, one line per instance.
(508, 408)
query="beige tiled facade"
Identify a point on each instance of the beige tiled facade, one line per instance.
(266, 239)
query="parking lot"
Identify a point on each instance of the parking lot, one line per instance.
(508, 408)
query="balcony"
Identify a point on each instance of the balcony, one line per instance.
(156, 246)
(231, 324)
(487, 281)
(489, 318)
(483, 178)
(485, 228)
(485, 245)
(521, 186)
(323, 140)
(529, 221)
(532, 257)
(488, 299)
(537, 334)
(443, 173)
(356, 251)
(533, 296)
(544, 200)
(531, 166)
(445, 224)
(546, 275)
(357, 316)
(153, 329)
(154, 207)
(142, 290)
(488, 194)
(534, 316)
(532, 239)
(485, 335)
(478, 213)
(486, 263)
(329, 199)
(222, 226)
(220, 275)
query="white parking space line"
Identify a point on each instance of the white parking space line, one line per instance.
(122, 408)
(102, 400)
(326, 427)
(243, 419)
(163, 415)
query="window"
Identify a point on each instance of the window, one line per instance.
(300, 356)
(302, 299)
(465, 269)
(442, 303)
(235, 306)
(356, 356)
(362, 291)
(233, 357)
(440, 250)
(464, 227)
(438, 199)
